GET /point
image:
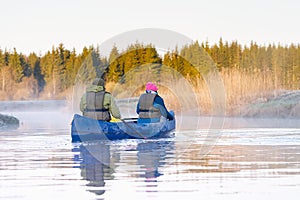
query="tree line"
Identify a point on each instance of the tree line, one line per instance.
(52, 75)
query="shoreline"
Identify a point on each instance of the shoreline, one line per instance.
(282, 111)
(284, 106)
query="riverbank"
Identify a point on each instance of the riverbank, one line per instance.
(285, 105)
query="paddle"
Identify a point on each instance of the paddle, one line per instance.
(130, 119)
(136, 132)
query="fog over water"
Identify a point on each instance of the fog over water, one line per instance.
(58, 114)
(38, 114)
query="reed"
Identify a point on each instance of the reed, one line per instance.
(241, 88)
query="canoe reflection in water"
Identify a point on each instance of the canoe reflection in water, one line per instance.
(106, 161)
(95, 165)
(152, 155)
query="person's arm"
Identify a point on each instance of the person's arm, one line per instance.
(162, 107)
(109, 102)
(169, 116)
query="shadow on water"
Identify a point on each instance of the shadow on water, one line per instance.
(99, 162)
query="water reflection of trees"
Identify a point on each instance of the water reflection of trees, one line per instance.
(236, 158)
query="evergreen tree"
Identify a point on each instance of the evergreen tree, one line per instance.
(235, 53)
(34, 62)
(6, 57)
(27, 70)
(72, 66)
(50, 71)
(91, 68)
(16, 67)
(2, 61)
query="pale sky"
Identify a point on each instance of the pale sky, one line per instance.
(37, 25)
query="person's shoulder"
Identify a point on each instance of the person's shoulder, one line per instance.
(159, 98)
(108, 94)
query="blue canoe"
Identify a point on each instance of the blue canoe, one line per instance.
(84, 129)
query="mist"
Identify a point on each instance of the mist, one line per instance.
(47, 114)
(58, 114)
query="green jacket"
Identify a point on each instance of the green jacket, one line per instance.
(109, 102)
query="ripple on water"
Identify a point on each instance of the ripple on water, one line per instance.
(42, 163)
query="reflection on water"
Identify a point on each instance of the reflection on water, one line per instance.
(38, 161)
(152, 155)
(94, 165)
(162, 169)
(98, 164)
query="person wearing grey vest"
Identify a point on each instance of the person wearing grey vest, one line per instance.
(98, 104)
(151, 106)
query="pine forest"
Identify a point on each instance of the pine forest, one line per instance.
(247, 72)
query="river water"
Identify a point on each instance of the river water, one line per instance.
(245, 159)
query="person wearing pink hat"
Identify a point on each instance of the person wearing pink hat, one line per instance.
(151, 106)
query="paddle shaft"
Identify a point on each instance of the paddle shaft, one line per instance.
(134, 118)
(136, 132)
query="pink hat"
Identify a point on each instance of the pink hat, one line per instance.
(151, 86)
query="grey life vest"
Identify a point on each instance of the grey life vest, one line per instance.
(94, 106)
(146, 108)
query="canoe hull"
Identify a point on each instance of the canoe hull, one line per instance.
(84, 128)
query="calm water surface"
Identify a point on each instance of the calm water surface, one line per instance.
(38, 161)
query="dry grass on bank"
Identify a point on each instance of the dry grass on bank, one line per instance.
(243, 88)
(226, 93)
